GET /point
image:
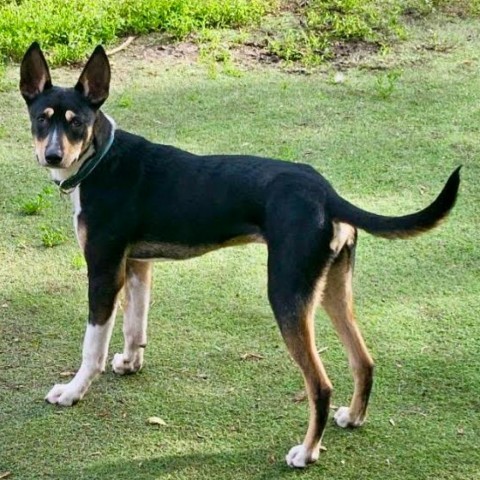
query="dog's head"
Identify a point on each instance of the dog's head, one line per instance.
(63, 118)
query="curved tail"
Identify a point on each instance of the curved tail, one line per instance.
(398, 227)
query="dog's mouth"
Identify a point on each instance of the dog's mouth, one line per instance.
(61, 164)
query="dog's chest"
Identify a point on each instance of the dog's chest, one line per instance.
(80, 227)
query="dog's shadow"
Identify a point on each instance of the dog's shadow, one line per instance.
(221, 465)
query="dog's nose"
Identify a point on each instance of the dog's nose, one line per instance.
(53, 157)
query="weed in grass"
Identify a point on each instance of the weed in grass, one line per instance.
(386, 83)
(125, 101)
(287, 152)
(298, 45)
(3, 69)
(52, 236)
(438, 44)
(39, 203)
(218, 59)
(78, 261)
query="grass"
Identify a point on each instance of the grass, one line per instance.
(38, 203)
(293, 31)
(229, 418)
(69, 31)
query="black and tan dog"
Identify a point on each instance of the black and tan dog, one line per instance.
(136, 201)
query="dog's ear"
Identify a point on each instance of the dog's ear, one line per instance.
(34, 74)
(94, 81)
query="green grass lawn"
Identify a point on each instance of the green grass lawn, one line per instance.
(228, 418)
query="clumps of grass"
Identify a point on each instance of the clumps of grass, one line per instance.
(68, 30)
(461, 8)
(215, 54)
(39, 203)
(321, 23)
(3, 71)
(299, 45)
(386, 83)
(52, 236)
(125, 100)
(78, 261)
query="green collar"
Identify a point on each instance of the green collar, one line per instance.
(70, 183)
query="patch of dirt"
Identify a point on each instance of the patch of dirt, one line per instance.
(155, 47)
(349, 54)
(250, 54)
(253, 53)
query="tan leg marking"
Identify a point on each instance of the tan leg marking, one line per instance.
(338, 303)
(343, 233)
(301, 345)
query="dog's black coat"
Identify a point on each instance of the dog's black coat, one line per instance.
(159, 193)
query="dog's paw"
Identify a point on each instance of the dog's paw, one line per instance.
(299, 456)
(63, 394)
(342, 418)
(122, 365)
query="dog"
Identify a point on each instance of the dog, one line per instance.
(135, 201)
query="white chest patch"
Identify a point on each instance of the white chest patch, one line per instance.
(80, 227)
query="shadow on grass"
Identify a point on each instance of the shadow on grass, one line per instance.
(224, 465)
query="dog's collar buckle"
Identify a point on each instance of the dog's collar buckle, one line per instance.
(64, 190)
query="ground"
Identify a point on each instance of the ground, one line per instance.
(216, 370)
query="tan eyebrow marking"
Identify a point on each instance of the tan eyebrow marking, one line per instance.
(69, 115)
(48, 112)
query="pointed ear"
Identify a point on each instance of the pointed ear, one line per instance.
(34, 74)
(94, 81)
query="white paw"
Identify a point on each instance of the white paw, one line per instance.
(122, 365)
(342, 418)
(299, 457)
(64, 394)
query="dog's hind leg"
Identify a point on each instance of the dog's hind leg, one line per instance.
(337, 301)
(295, 312)
(137, 298)
(297, 267)
(106, 273)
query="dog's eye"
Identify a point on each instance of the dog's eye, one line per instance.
(42, 118)
(76, 122)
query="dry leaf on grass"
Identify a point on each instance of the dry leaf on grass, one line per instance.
(5, 474)
(392, 422)
(300, 396)
(67, 373)
(252, 356)
(157, 421)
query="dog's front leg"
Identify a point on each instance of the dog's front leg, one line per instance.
(137, 298)
(106, 279)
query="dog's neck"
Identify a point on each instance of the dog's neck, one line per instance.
(103, 128)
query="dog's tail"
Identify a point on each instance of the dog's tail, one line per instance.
(398, 227)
